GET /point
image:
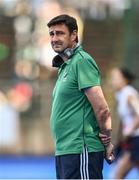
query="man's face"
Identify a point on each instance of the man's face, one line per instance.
(61, 38)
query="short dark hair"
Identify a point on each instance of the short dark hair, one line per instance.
(69, 21)
(128, 75)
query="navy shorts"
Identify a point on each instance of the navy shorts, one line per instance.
(80, 166)
(134, 143)
(132, 146)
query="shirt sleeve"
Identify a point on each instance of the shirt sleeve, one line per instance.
(88, 73)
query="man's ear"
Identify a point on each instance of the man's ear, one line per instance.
(74, 35)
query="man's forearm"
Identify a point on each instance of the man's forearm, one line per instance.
(101, 110)
(102, 113)
(104, 119)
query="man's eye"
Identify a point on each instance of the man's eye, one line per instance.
(57, 33)
(51, 33)
(60, 33)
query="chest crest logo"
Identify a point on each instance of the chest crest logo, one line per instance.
(65, 76)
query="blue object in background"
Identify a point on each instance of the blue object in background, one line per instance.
(110, 170)
(27, 167)
(42, 167)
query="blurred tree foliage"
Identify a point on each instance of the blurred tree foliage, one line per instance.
(131, 39)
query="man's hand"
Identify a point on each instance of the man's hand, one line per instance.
(105, 139)
(109, 153)
(109, 148)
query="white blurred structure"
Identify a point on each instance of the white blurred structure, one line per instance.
(16, 100)
(9, 124)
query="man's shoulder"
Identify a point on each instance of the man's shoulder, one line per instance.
(83, 57)
(83, 54)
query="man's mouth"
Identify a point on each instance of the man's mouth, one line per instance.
(56, 44)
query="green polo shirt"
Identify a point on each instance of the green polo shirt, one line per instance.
(73, 121)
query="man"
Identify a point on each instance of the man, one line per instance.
(80, 115)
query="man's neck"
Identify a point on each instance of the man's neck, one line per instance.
(64, 56)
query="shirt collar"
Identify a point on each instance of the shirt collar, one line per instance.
(75, 51)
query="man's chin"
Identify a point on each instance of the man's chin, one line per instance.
(58, 50)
